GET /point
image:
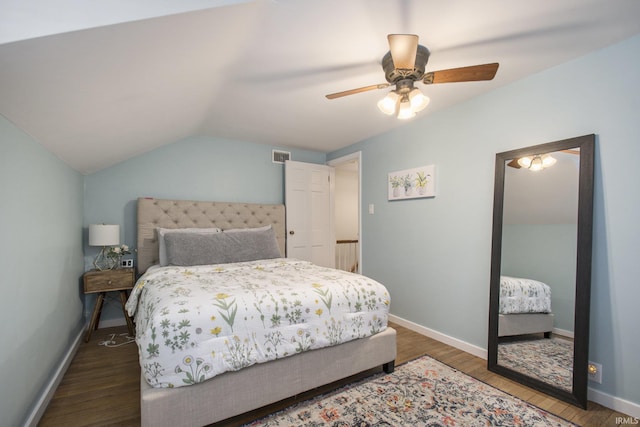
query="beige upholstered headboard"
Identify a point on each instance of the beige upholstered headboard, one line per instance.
(154, 213)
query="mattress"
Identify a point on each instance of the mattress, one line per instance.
(193, 323)
(519, 295)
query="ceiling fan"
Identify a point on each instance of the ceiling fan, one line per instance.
(404, 65)
(537, 162)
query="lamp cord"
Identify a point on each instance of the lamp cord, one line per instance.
(112, 343)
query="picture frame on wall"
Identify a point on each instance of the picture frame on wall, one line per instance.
(412, 183)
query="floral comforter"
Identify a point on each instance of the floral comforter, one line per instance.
(193, 323)
(519, 295)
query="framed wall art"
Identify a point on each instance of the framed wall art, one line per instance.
(412, 183)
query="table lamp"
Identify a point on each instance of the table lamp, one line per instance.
(103, 235)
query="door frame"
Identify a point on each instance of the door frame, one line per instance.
(343, 159)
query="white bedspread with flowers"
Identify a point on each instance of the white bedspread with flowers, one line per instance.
(518, 295)
(193, 323)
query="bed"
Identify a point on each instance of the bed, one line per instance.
(525, 307)
(203, 389)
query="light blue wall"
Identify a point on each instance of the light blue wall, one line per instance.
(544, 252)
(197, 168)
(434, 254)
(41, 264)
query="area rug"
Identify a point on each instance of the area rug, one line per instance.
(423, 392)
(548, 359)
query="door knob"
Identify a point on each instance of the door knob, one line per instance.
(292, 232)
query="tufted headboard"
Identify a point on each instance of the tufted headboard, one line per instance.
(154, 213)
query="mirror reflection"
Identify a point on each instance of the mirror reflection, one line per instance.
(541, 267)
(538, 265)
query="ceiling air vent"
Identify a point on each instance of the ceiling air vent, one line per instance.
(280, 156)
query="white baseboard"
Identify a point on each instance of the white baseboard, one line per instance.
(438, 336)
(50, 388)
(604, 399)
(562, 332)
(617, 404)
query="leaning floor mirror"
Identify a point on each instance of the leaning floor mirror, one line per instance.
(541, 267)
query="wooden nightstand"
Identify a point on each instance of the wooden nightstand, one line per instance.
(103, 281)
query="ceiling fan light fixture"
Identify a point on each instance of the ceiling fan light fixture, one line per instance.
(404, 65)
(405, 110)
(418, 100)
(537, 162)
(389, 103)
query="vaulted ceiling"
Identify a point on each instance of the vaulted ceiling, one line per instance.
(99, 82)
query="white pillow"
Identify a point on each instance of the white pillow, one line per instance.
(162, 248)
(242, 230)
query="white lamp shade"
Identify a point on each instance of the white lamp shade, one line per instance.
(536, 164)
(418, 100)
(104, 235)
(548, 161)
(405, 111)
(389, 103)
(525, 162)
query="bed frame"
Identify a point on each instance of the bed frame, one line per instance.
(526, 323)
(235, 393)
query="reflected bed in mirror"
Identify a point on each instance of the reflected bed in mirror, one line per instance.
(541, 267)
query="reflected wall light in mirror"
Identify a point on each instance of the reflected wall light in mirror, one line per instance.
(526, 241)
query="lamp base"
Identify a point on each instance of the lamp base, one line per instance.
(103, 262)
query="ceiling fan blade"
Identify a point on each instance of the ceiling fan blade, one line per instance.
(358, 90)
(514, 164)
(473, 73)
(403, 48)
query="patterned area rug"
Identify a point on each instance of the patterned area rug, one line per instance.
(547, 359)
(423, 392)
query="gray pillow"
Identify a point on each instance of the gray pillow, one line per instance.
(220, 248)
(162, 251)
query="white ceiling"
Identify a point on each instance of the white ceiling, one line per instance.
(99, 82)
(549, 196)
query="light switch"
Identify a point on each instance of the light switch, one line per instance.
(371, 208)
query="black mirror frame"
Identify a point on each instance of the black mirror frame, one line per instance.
(578, 395)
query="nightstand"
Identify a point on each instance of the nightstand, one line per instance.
(103, 281)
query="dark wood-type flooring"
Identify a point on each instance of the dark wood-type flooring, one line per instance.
(101, 386)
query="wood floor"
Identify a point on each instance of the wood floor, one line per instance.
(101, 386)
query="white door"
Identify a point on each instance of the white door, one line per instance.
(309, 204)
(348, 210)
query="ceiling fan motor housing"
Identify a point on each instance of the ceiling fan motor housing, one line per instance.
(393, 74)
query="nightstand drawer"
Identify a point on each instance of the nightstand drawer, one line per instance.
(108, 280)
